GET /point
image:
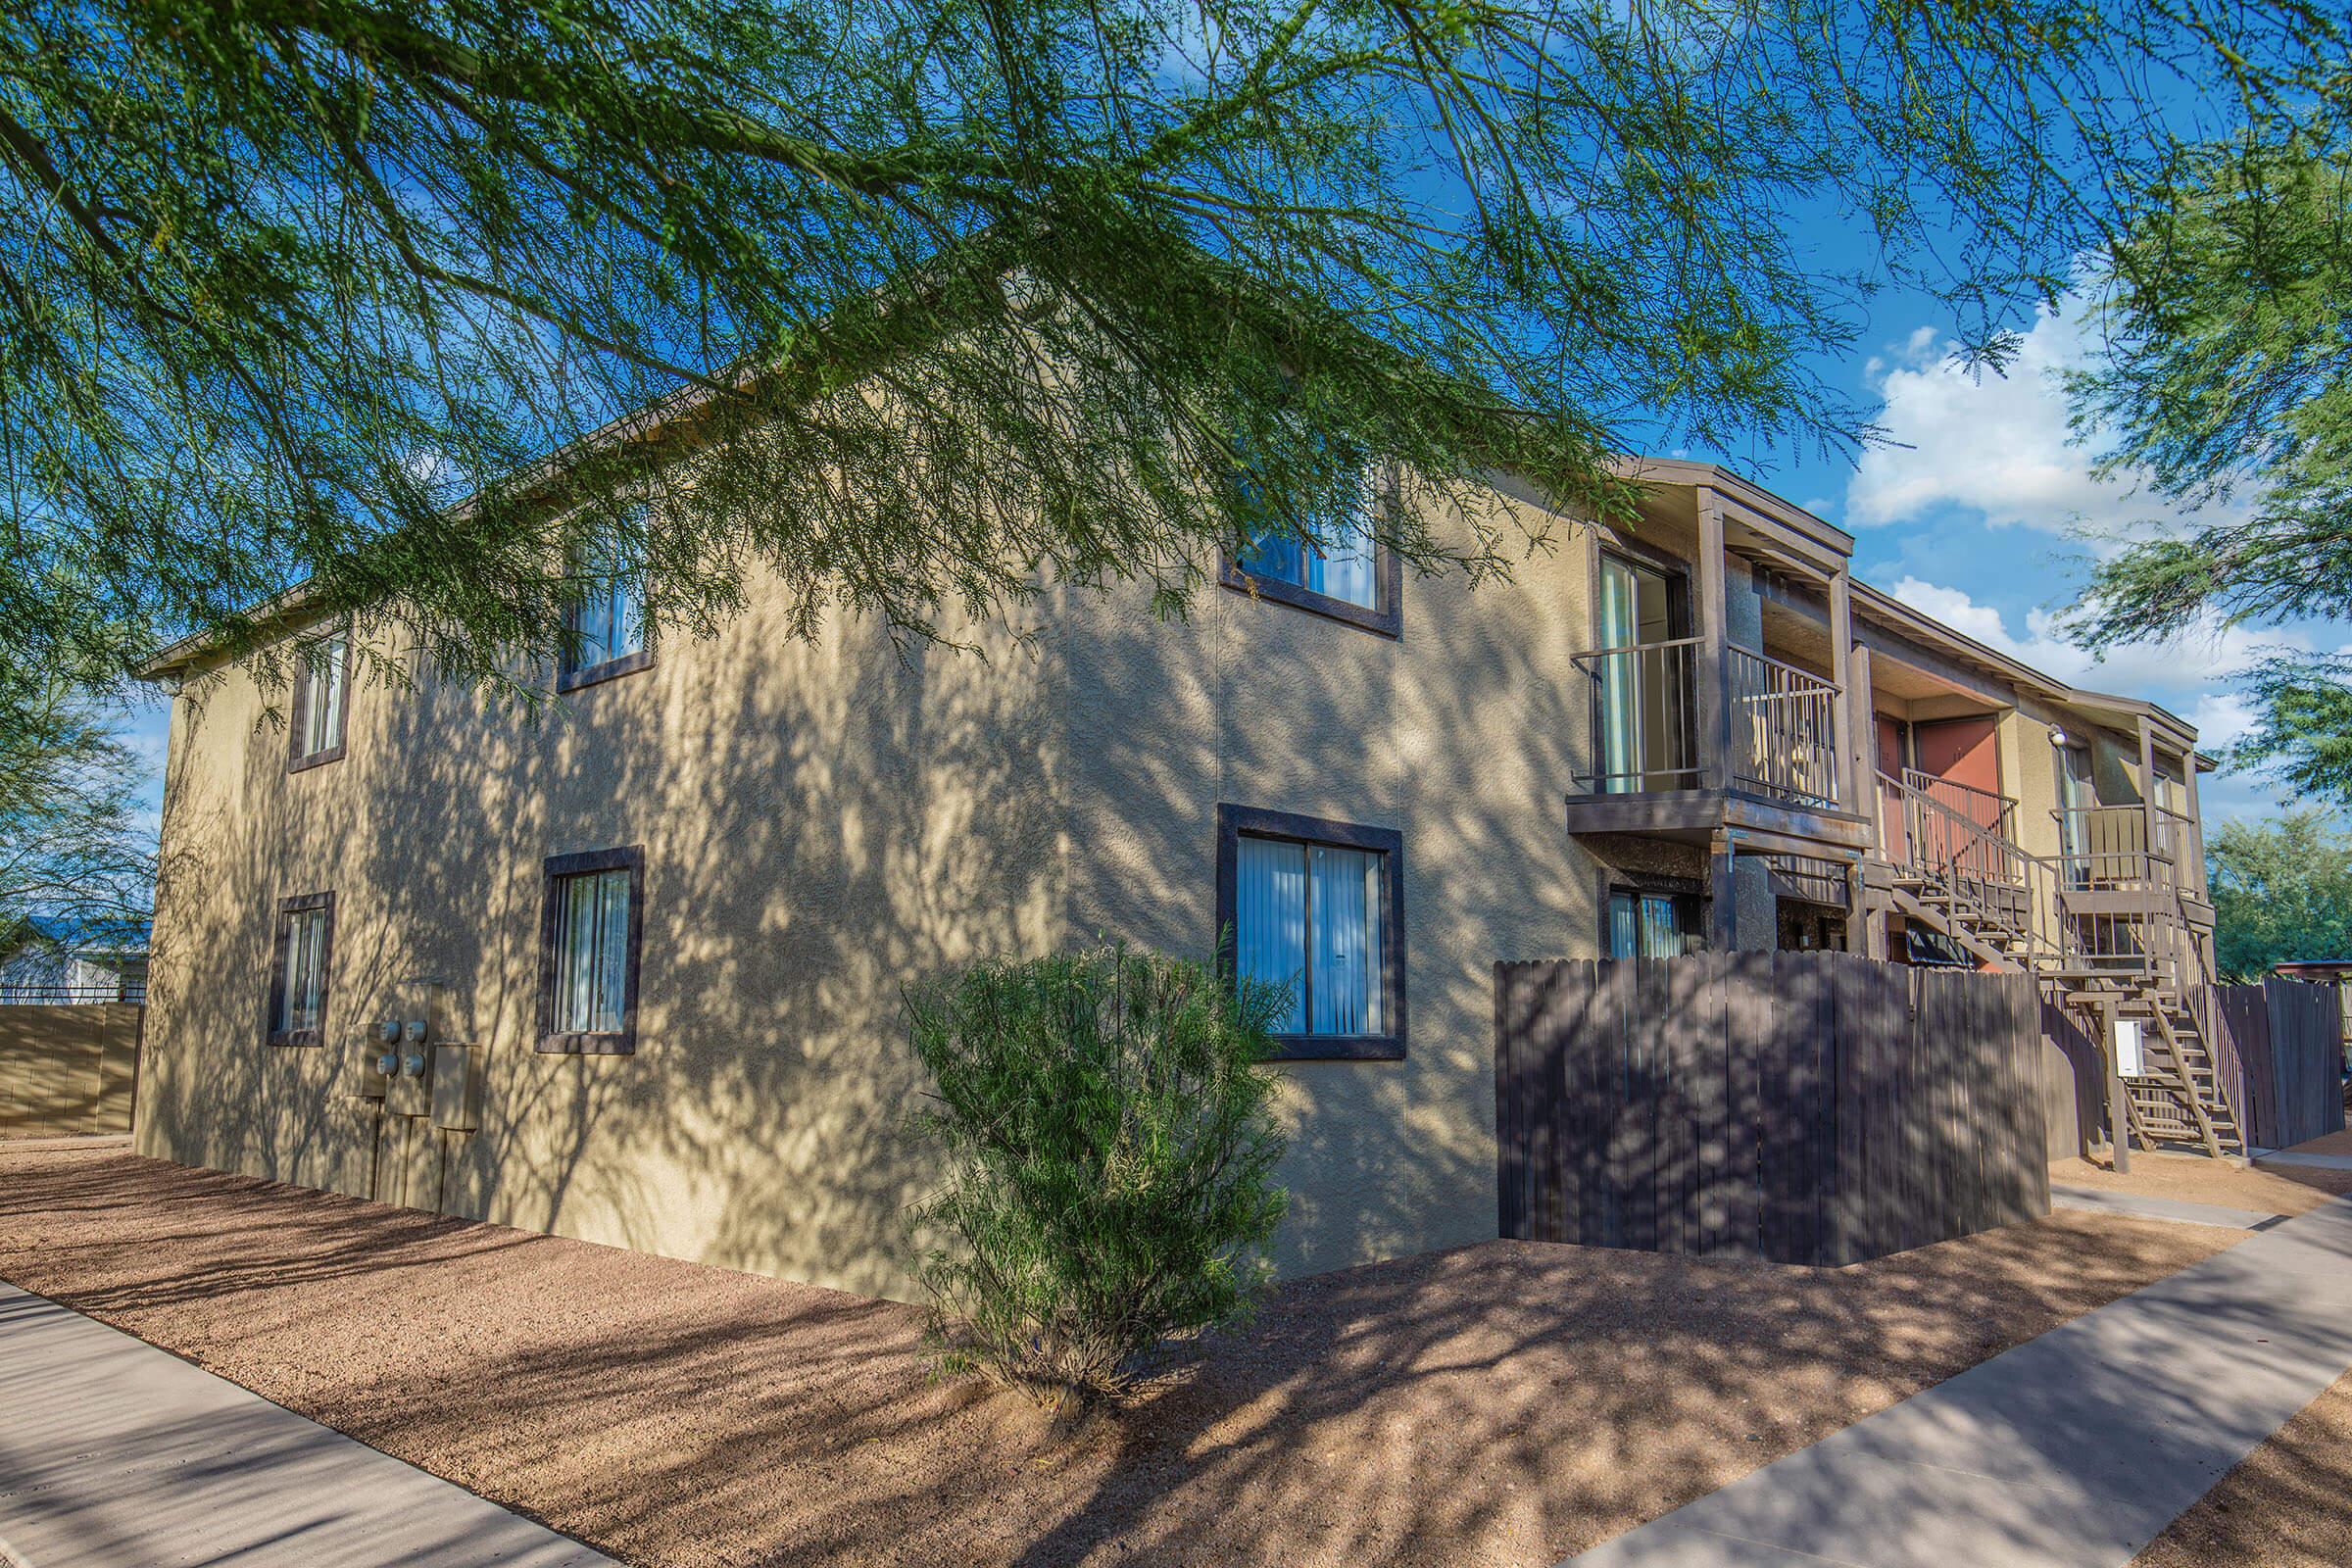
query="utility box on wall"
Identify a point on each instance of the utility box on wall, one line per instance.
(456, 1081)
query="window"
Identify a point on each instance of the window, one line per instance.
(1645, 667)
(1654, 925)
(588, 963)
(1318, 907)
(605, 624)
(322, 677)
(1348, 576)
(298, 970)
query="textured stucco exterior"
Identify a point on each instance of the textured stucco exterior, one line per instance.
(824, 823)
(827, 822)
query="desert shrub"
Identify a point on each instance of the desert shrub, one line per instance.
(1110, 1143)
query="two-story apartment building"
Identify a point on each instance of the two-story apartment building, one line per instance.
(654, 943)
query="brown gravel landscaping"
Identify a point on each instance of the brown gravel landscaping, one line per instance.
(1506, 1403)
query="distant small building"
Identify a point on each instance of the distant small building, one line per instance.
(67, 961)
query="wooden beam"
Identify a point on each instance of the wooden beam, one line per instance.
(1714, 647)
(2118, 1111)
(1849, 793)
(1722, 895)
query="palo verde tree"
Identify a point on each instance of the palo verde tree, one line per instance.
(411, 302)
(76, 850)
(2226, 381)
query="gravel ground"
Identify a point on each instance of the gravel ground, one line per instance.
(2273, 1190)
(1508, 1404)
(2287, 1505)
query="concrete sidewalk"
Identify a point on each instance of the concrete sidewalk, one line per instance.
(114, 1453)
(2140, 1206)
(2072, 1450)
(2311, 1161)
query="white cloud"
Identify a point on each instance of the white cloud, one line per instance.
(2191, 674)
(1993, 443)
(2222, 718)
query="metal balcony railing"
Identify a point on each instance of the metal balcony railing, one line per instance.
(1784, 729)
(1645, 724)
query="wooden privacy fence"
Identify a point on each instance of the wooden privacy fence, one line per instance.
(2286, 1039)
(67, 1068)
(1807, 1108)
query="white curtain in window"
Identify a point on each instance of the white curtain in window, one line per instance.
(613, 950)
(305, 980)
(592, 953)
(1269, 919)
(1345, 968)
(1343, 567)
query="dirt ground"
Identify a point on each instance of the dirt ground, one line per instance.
(2287, 1505)
(1506, 1403)
(2271, 1190)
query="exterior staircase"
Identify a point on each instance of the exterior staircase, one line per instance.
(2103, 931)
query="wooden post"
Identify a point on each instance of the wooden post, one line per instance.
(2119, 1119)
(1850, 792)
(1857, 910)
(1862, 746)
(2148, 785)
(1722, 895)
(2195, 876)
(1714, 656)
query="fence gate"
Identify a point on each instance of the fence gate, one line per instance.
(1805, 1107)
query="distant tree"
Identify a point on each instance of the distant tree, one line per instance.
(2281, 888)
(75, 851)
(959, 295)
(2226, 379)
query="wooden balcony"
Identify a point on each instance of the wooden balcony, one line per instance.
(1774, 767)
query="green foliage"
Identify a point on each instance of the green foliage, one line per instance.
(1110, 1143)
(307, 292)
(2227, 379)
(74, 847)
(2281, 888)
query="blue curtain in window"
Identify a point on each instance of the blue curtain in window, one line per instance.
(1346, 971)
(1269, 921)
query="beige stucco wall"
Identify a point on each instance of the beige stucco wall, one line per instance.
(821, 825)
(824, 824)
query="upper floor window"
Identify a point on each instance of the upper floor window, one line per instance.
(1342, 571)
(298, 970)
(604, 627)
(321, 680)
(1317, 908)
(591, 932)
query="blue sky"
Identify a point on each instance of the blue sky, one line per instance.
(1974, 512)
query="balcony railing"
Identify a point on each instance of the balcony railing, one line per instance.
(1644, 718)
(2109, 847)
(1929, 822)
(1645, 724)
(1784, 729)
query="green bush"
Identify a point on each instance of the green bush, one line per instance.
(1110, 1143)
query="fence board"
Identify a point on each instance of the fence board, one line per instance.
(1807, 1108)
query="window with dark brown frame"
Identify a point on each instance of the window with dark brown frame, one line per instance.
(1349, 576)
(591, 936)
(1318, 906)
(605, 632)
(301, 959)
(317, 715)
